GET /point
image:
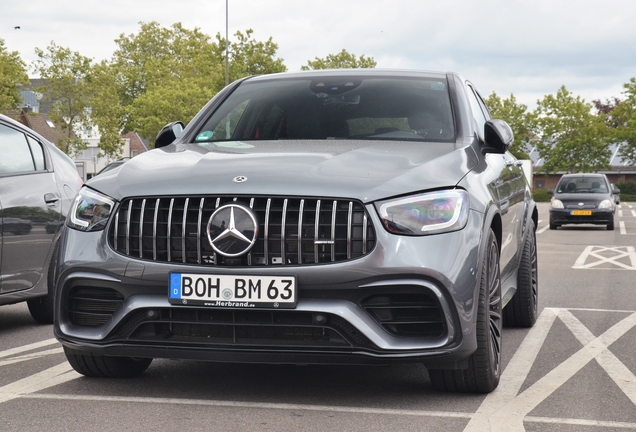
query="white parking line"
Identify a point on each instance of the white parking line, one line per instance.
(42, 380)
(620, 213)
(258, 405)
(31, 356)
(543, 229)
(25, 348)
(634, 213)
(621, 224)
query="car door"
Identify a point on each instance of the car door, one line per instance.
(30, 202)
(509, 192)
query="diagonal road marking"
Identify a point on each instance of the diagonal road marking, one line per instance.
(25, 348)
(31, 356)
(595, 252)
(621, 375)
(42, 380)
(515, 373)
(509, 418)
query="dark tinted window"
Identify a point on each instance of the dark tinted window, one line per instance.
(334, 108)
(476, 107)
(37, 152)
(14, 150)
(582, 185)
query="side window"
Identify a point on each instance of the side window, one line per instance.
(16, 155)
(478, 114)
(37, 152)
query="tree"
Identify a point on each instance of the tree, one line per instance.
(625, 115)
(522, 122)
(573, 139)
(68, 77)
(342, 60)
(249, 57)
(166, 74)
(12, 75)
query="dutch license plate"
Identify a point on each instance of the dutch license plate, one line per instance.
(581, 213)
(232, 291)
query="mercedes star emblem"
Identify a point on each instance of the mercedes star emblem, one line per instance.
(239, 179)
(232, 230)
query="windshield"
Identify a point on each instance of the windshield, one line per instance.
(582, 185)
(334, 108)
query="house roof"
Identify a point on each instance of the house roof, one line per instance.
(42, 124)
(136, 143)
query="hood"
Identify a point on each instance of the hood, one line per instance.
(364, 170)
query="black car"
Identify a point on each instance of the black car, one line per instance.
(37, 186)
(346, 216)
(583, 199)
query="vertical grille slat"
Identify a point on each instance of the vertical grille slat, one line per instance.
(154, 231)
(349, 228)
(333, 231)
(282, 233)
(291, 231)
(128, 217)
(141, 228)
(267, 210)
(169, 233)
(300, 231)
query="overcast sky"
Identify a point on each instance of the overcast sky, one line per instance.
(529, 48)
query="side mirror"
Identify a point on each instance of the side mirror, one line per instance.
(550, 192)
(168, 134)
(616, 191)
(498, 136)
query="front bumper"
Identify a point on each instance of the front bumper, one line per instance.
(565, 216)
(109, 304)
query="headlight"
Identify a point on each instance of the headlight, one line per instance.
(90, 210)
(429, 213)
(556, 204)
(606, 204)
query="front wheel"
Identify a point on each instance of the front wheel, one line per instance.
(484, 365)
(610, 226)
(100, 366)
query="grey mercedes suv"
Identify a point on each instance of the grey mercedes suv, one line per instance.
(330, 217)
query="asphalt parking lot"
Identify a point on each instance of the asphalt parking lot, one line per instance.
(573, 371)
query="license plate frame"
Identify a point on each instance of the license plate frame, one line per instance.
(233, 291)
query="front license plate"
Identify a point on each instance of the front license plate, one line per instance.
(581, 213)
(233, 291)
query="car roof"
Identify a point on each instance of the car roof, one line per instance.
(351, 72)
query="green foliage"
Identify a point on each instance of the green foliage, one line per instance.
(627, 187)
(342, 60)
(541, 195)
(573, 139)
(12, 75)
(167, 74)
(247, 56)
(625, 114)
(68, 74)
(522, 122)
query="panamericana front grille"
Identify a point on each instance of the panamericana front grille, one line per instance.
(293, 231)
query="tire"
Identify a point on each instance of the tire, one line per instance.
(522, 309)
(41, 308)
(553, 226)
(484, 365)
(610, 226)
(99, 366)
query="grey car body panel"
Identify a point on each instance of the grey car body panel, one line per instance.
(331, 168)
(25, 263)
(311, 168)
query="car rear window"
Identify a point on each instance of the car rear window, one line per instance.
(334, 108)
(582, 185)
